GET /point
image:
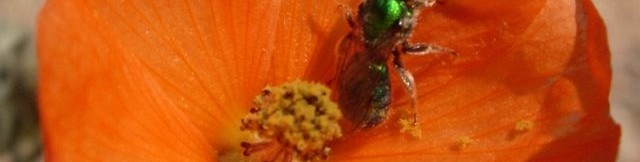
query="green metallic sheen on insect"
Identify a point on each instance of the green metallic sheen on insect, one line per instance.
(379, 35)
(383, 16)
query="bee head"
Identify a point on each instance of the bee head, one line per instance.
(380, 16)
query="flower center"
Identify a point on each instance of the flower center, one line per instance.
(295, 121)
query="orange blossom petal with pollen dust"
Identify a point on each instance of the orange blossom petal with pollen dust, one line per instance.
(161, 80)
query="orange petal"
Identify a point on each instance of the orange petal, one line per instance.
(168, 80)
(545, 63)
(165, 80)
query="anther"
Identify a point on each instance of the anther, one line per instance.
(297, 119)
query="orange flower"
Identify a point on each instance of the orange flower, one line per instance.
(170, 81)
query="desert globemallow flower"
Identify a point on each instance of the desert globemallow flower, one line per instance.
(198, 80)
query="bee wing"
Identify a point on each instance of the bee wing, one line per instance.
(355, 87)
(346, 49)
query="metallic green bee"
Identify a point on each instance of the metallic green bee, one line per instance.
(379, 34)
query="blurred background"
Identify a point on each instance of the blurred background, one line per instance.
(20, 137)
(19, 134)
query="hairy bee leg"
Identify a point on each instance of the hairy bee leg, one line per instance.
(421, 3)
(420, 49)
(348, 15)
(429, 3)
(409, 84)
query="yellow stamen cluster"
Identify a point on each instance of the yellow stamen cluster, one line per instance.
(298, 115)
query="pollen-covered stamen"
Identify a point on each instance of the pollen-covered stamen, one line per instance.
(298, 117)
(253, 147)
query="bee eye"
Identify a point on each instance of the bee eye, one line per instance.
(380, 15)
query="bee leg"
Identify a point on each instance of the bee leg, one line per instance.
(409, 84)
(428, 3)
(348, 15)
(420, 49)
(421, 3)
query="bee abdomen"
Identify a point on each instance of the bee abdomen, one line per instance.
(381, 96)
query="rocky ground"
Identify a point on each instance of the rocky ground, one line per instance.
(19, 134)
(20, 140)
